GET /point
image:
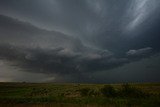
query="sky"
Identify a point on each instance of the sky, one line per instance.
(80, 41)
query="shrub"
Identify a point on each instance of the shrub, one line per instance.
(108, 91)
(130, 91)
(85, 91)
(94, 93)
(89, 92)
(39, 92)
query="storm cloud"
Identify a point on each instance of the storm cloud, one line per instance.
(74, 41)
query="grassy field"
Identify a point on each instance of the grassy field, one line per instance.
(146, 94)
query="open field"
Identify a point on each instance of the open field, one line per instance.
(79, 95)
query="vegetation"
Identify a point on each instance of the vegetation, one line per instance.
(109, 91)
(94, 94)
(89, 92)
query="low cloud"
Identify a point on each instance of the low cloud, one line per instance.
(139, 52)
(53, 61)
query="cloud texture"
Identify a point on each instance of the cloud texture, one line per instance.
(76, 40)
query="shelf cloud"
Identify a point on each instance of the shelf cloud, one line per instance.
(78, 40)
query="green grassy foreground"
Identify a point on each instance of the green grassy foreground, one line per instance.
(147, 94)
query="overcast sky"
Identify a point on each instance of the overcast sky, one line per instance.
(94, 41)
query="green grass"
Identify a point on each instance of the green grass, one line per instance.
(146, 94)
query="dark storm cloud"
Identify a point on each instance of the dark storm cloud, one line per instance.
(99, 23)
(145, 70)
(139, 52)
(71, 66)
(58, 62)
(86, 36)
(61, 54)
